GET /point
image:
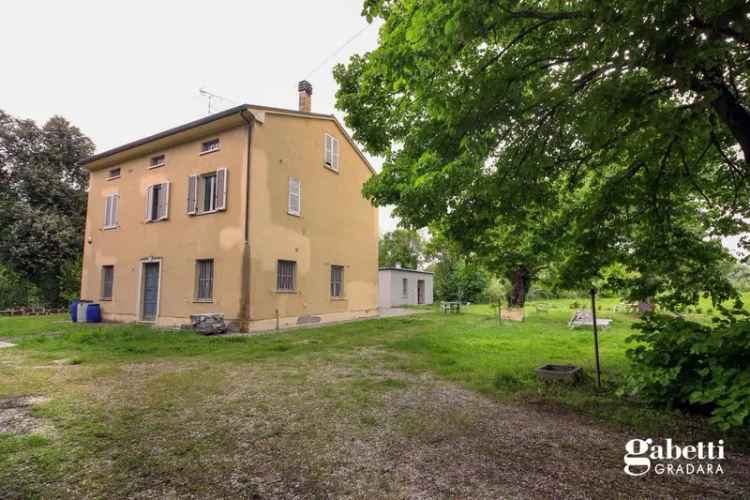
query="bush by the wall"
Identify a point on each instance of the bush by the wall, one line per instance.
(686, 364)
(16, 291)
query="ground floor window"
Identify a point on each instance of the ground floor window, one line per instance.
(108, 280)
(404, 287)
(337, 281)
(204, 279)
(285, 275)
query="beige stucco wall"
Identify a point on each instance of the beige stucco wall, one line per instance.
(337, 225)
(177, 242)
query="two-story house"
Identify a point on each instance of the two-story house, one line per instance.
(254, 212)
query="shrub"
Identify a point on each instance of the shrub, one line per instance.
(685, 364)
(15, 290)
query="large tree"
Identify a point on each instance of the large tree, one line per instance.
(400, 247)
(42, 198)
(626, 120)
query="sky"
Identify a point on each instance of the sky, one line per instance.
(122, 71)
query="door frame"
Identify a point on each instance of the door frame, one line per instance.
(420, 291)
(139, 302)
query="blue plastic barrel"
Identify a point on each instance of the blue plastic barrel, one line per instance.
(93, 313)
(74, 310)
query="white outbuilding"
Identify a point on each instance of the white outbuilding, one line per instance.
(399, 286)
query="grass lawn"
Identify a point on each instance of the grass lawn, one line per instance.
(424, 405)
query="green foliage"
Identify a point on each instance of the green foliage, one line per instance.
(739, 276)
(580, 133)
(70, 279)
(402, 246)
(461, 280)
(680, 362)
(16, 291)
(42, 201)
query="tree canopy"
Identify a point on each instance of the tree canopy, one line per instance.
(607, 131)
(42, 200)
(400, 247)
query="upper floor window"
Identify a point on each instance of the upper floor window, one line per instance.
(158, 161)
(157, 202)
(295, 197)
(332, 153)
(207, 192)
(204, 280)
(337, 281)
(111, 207)
(108, 280)
(210, 146)
(286, 271)
(114, 173)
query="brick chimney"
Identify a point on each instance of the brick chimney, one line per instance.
(305, 96)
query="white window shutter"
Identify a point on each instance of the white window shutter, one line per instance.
(295, 200)
(221, 189)
(192, 200)
(149, 203)
(335, 153)
(164, 202)
(115, 208)
(107, 211)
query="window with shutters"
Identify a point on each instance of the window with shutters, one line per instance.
(337, 281)
(294, 206)
(204, 280)
(331, 159)
(110, 211)
(286, 271)
(210, 146)
(157, 202)
(207, 193)
(108, 281)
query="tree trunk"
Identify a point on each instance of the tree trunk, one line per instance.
(520, 279)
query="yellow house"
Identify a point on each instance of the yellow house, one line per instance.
(255, 213)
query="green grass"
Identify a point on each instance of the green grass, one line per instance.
(123, 385)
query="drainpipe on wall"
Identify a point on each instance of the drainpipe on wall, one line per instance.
(245, 268)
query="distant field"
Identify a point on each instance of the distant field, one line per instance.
(429, 404)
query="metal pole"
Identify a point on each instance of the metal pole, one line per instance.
(596, 338)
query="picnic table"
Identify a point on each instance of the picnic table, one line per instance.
(450, 307)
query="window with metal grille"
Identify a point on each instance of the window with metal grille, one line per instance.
(209, 146)
(337, 281)
(204, 279)
(285, 275)
(108, 281)
(404, 287)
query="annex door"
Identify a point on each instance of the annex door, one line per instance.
(150, 291)
(420, 291)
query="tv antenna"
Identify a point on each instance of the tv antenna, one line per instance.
(213, 99)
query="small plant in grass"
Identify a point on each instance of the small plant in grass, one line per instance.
(681, 363)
